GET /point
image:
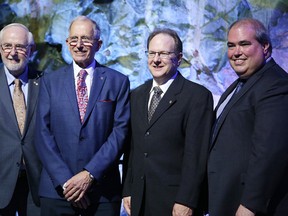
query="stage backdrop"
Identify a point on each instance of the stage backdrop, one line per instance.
(125, 25)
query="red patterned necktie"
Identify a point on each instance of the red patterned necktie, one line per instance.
(82, 93)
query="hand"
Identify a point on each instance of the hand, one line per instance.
(83, 203)
(76, 187)
(181, 210)
(127, 204)
(242, 211)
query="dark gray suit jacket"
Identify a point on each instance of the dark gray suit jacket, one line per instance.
(13, 145)
(248, 162)
(168, 156)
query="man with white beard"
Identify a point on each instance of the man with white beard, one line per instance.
(19, 85)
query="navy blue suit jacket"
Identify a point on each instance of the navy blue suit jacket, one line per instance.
(66, 146)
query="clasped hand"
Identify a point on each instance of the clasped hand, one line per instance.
(75, 189)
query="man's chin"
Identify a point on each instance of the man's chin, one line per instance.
(15, 70)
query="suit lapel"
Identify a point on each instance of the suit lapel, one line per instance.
(225, 94)
(248, 85)
(141, 102)
(5, 98)
(33, 90)
(99, 79)
(68, 83)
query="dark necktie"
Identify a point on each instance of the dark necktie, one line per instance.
(154, 101)
(82, 94)
(229, 97)
(19, 104)
(225, 103)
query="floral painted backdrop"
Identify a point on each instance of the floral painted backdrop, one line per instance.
(125, 25)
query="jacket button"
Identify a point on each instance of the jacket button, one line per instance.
(145, 154)
(147, 133)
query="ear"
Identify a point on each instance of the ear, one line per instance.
(99, 44)
(179, 57)
(32, 49)
(266, 47)
(67, 43)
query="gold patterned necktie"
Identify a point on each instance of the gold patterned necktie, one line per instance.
(19, 104)
(154, 101)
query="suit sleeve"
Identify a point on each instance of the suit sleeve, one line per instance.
(197, 135)
(113, 147)
(45, 143)
(268, 160)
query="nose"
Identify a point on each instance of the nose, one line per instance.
(79, 43)
(156, 57)
(238, 50)
(13, 50)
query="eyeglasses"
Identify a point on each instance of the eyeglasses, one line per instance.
(162, 54)
(86, 41)
(20, 48)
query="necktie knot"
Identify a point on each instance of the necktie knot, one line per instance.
(240, 84)
(81, 77)
(17, 83)
(82, 74)
(157, 90)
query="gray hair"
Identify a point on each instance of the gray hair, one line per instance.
(29, 34)
(96, 28)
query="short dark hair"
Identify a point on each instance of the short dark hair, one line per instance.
(172, 33)
(261, 33)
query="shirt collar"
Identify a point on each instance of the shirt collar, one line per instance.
(90, 69)
(164, 87)
(268, 59)
(10, 78)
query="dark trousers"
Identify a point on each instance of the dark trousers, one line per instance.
(18, 203)
(55, 207)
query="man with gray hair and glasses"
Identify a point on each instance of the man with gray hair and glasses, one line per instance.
(19, 86)
(82, 123)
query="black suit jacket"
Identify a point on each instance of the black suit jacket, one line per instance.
(13, 145)
(168, 155)
(248, 162)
